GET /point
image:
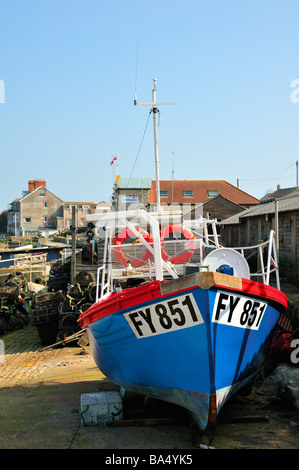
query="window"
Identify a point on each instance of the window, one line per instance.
(85, 209)
(213, 193)
(82, 222)
(164, 193)
(28, 219)
(187, 193)
(46, 204)
(45, 218)
(42, 192)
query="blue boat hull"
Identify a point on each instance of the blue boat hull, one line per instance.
(192, 346)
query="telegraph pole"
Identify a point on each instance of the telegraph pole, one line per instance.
(74, 242)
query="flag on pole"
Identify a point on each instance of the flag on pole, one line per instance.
(113, 160)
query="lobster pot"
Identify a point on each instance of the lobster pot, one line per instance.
(9, 292)
(58, 282)
(44, 316)
(68, 321)
(76, 293)
(51, 299)
(101, 407)
(46, 322)
(68, 325)
(47, 331)
(85, 278)
(61, 266)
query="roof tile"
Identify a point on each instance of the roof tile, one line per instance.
(200, 192)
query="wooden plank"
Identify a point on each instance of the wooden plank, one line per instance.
(243, 419)
(146, 422)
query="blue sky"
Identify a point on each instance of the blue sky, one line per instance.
(71, 68)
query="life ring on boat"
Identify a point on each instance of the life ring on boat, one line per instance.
(119, 240)
(191, 245)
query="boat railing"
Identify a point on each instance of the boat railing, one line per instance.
(28, 264)
(66, 253)
(265, 266)
(158, 268)
(104, 285)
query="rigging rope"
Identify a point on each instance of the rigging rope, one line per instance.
(139, 148)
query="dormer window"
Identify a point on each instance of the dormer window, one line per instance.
(188, 193)
(212, 193)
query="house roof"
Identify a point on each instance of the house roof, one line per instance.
(280, 192)
(104, 203)
(79, 203)
(201, 192)
(37, 189)
(219, 200)
(133, 183)
(287, 203)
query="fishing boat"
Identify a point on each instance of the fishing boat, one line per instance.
(177, 316)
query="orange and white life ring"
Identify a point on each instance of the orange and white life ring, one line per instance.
(191, 244)
(119, 240)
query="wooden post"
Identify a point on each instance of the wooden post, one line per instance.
(74, 241)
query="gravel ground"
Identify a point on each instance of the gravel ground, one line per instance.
(40, 401)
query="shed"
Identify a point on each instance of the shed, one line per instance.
(252, 225)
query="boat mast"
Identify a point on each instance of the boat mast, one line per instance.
(155, 110)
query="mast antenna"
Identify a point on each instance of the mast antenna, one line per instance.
(154, 110)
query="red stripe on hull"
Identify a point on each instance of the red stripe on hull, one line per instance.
(120, 301)
(127, 298)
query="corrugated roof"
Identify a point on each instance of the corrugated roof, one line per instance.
(134, 183)
(281, 192)
(287, 203)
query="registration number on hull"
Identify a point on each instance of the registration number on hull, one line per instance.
(164, 317)
(238, 310)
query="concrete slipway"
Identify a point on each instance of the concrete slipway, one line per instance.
(40, 400)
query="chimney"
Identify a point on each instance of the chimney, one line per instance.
(33, 184)
(30, 185)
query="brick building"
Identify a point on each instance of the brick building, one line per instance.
(183, 194)
(193, 192)
(82, 208)
(39, 211)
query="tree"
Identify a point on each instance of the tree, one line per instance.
(3, 222)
